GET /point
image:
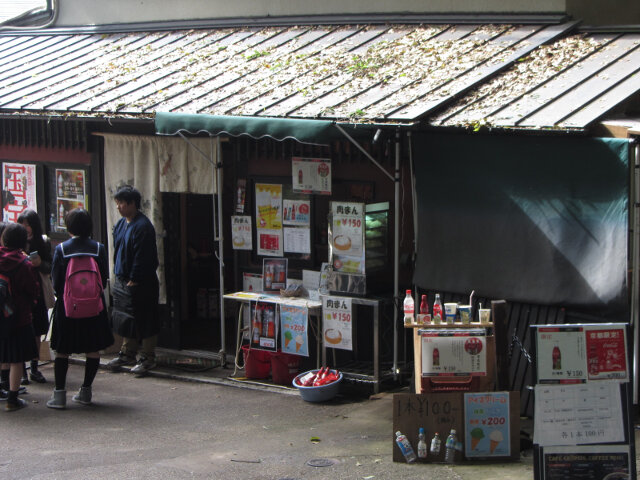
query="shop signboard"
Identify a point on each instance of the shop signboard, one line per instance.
(18, 190)
(269, 219)
(451, 352)
(311, 175)
(347, 237)
(293, 330)
(487, 424)
(337, 322)
(602, 462)
(581, 353)
(241, 232)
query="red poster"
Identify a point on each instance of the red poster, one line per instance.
(606, 357)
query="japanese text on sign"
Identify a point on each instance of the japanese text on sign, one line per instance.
(337, 325)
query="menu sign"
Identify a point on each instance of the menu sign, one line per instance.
(347, 233)
(337, 322)
(578, 414)
(241, 232)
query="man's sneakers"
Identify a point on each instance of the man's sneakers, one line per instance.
(122, 360)
(143, 366)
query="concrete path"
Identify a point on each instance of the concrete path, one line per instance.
(150, 428)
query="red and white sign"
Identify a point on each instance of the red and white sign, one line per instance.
(454, 352)
(579, 353)
(18, 190)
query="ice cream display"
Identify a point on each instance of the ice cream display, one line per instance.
(476, 435)
(299, 342)
(495, 438)
(287, 338)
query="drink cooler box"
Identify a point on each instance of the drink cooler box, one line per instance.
(259, 364)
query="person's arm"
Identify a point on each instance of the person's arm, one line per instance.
(58, 272)
(45, 256)
(103, 264)
(144, 253)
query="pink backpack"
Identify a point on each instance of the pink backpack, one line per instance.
(82, 287)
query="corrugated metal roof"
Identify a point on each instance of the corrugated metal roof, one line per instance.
(357, 72)
(392, 73)
(567, 84)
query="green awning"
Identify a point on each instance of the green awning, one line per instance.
(315, 132)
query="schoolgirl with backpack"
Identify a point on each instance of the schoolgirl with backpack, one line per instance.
(80, 324)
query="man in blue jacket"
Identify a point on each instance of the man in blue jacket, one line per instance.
(135, 289)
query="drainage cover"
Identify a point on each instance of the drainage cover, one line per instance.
(320, 462)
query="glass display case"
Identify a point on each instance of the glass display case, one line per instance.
(376, 236)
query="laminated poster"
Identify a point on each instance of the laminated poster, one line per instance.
(296, 212)
(251, 282)
(297, 240)
(453, 352)
(18, 190)
(293, 330)
(581, 353)
(584, 413)
(336, 325)
(311, 175)
(269, 219)
(241, 232)
(264, 324)
(487, 424)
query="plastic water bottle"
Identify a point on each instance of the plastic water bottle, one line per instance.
(437, 309)
(435, 444)
(450, 447)
(422, 444)
(52, 222)
(409, 308)
(405, 447)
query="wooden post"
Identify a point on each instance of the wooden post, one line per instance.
(501, 322)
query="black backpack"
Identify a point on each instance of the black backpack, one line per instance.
(8, 312)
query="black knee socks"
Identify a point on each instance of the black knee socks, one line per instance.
(90, 370)
(60, 367)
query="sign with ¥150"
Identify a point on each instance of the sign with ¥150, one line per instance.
(453, 352)
(337, 322)
(581, 353)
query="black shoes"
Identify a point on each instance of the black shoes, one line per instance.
(36, 376)
(12, 407)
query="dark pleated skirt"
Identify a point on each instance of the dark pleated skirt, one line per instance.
(19, 347)
(80, 335)
(40, 318)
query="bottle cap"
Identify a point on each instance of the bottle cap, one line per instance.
(398, 433)
(408, 292)
(421, 430)
(453, 431)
